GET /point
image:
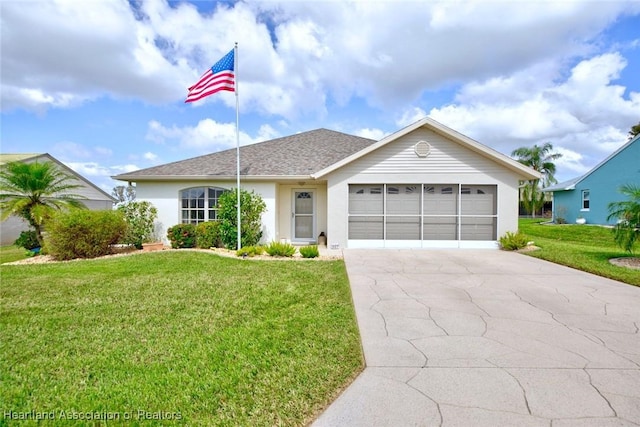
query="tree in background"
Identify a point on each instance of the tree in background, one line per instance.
(539, 158)
(124, 194)
(627, 213)
(34, 191)
(635, 130)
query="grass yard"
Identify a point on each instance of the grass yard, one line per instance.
(583, 247)
(179, 335)
(12, 253)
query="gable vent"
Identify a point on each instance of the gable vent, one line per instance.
(422, 149)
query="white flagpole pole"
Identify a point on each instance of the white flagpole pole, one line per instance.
(235, 70)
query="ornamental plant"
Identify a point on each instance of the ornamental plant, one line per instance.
(208, 235)
(35, 192)
(513, 241)
(182, 236)
(251, 208)
(280, 249)
(626, 232)
(28, 240)
(310, 251)
(250, 251)
(140, 218)
(84, 233)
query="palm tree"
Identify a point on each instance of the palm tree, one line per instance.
(540, 159)
(33, 191)
(627, 212)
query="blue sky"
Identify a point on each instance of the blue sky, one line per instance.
(100, 85)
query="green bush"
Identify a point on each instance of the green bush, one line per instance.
(208, 235)
(250, 251)
(182, 236)
(310, 251)
(84, 233)
(251, 206)
(280, 249)
(140, 218)
(513, 241)
(28, 240)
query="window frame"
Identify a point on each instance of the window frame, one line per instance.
(209, 212)
(584, 199)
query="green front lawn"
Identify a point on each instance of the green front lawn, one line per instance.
(177, 334)
(583, 247)
(12, 253)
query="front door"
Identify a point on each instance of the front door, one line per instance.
(303, 216)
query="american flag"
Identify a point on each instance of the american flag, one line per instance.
(219, 77)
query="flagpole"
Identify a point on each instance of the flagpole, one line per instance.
(235, 69)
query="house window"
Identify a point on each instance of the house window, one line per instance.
(199, 204)
(585, 200)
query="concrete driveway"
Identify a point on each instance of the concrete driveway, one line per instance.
(489, 338)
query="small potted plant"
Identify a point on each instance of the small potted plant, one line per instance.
(581, 220)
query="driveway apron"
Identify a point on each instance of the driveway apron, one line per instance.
(489, 338)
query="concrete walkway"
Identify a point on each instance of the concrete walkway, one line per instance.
(489, 338)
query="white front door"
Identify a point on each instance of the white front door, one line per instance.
(304, 221)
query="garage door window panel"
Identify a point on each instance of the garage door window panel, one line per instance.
(366, 228)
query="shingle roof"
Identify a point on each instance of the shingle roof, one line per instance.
(296, 155)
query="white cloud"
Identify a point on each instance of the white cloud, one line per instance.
(295, 57)
(582, 114)
(371, 133)
(90, 169)
(150, 156)
(207, 136)
(410, 116)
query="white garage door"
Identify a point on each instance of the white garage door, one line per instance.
(418, 215)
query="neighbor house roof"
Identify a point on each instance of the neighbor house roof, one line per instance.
(571, 184)
(8, 158)
(465, 141)
(22, 157)
(299, 155)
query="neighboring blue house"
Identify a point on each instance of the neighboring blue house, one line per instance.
(589, 195)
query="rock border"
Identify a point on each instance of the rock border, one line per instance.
(626, 262)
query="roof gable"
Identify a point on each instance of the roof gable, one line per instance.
(505, 161)
(298, 155)
(571, 184)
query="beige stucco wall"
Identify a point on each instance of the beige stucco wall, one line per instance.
(165, 197)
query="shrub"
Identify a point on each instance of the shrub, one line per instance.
(182, 236)
(280, 249)
(251, 206)
(250, 251)
(513, 241)
(208, 235)
(28, 240)
(310, 251)
(626, 232)
(84, 233)
(140, 218)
